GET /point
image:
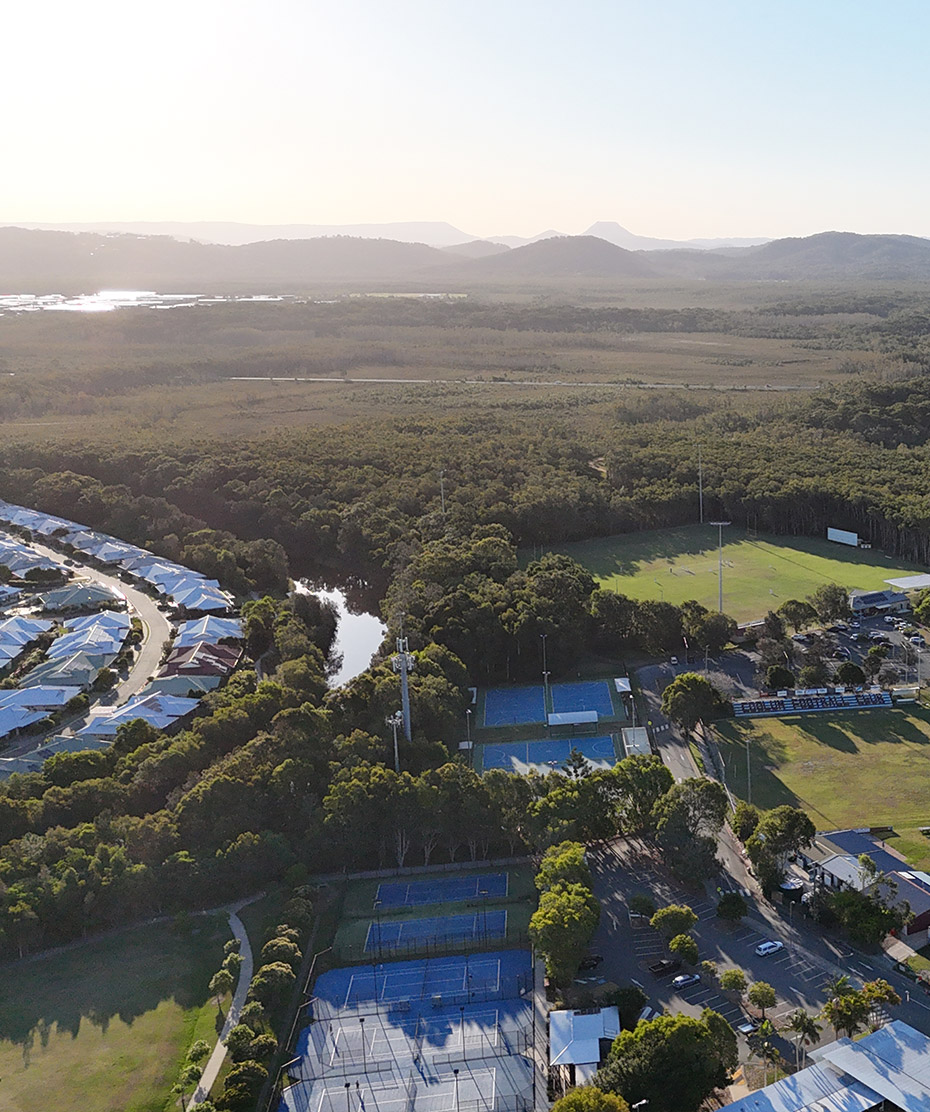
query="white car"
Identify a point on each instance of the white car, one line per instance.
(766, 948)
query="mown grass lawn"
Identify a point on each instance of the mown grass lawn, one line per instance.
(863, 768)
(105, 1026)
(759, 573)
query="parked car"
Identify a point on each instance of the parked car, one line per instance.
(749, 1027)
(878, 637)
(664, 967)
(592, 961)
(855, 624)
(889, 619)
(673, 660)
(917, 640)
(841, 653)
(801, 638)
(764, 949)
(686, 979)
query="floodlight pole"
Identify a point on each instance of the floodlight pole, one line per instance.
(394, 720)
(748, 774)
(720, 527)
(468, 725)
(700, 484)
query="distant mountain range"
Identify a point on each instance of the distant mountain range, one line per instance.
(33, 261)
(434, 233)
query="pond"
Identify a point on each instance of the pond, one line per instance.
(358, 635)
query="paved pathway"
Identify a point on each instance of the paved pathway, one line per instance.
(216, 1059)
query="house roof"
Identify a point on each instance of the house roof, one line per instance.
(574, 1037)
(913, 887)
(38, 697)
(890, 1064)
(107, 619)
(201, 659)
(158, 710)
(893, 1061)
(837, 851)
(182, 685)
(78, 595)
(209, 629)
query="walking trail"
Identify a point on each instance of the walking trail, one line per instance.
(218, 1057)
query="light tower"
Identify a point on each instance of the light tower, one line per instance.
(403, 663)
(720, 527)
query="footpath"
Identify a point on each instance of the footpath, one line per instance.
(218, 1057)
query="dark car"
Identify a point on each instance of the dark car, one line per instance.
(664, 967)
(592, 961)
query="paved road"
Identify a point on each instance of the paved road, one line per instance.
(156, 629)
(798, 974)
(380, 381)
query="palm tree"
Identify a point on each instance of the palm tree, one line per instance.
(763, 1048)
(838, 985)
(805, 1029)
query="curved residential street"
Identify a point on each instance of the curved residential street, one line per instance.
(156, 629)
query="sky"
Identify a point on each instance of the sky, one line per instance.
(675, 118)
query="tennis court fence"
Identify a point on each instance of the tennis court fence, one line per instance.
(490, 1042)
(437, 945)
(348, 1101)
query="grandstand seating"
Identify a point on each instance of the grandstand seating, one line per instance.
(808, 704)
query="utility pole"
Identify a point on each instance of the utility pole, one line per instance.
(720, 527)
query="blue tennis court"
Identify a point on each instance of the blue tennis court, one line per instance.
(449, 889)
(544, 756)
(594, 695)
(391, 934)
(513, 706)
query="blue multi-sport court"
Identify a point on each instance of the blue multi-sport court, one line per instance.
(392, 934)
(594, 695)
(514, 706)
(447, 889)
(546, 755)
(418, 1036)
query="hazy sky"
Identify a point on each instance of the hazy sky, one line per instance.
(674, 117)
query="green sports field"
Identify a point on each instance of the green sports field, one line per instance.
(759, 572)
(861, 768)
(104, 1027)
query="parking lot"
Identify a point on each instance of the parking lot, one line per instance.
(629, 946)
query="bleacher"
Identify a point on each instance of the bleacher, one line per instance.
(811, 703)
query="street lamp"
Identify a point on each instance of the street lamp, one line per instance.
(720, 527)
(468, 724)
(545, 672)
(362, 1026)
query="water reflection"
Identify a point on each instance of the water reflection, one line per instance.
(358, 635)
